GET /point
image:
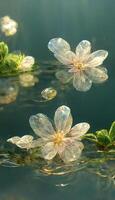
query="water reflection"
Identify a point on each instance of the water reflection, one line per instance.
(28, 80)
(8, 91)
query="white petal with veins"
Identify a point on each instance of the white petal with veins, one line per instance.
(83, 49)
(58, 45)
(66, 57)
(49, 151)
(79, 130)
(96, 58)
(14, 139)
(97, 75)
(63, 119)
(41, 125)
(81, 82)
(72, 151)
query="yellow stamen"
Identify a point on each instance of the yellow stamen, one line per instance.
(78, 65)
(58, 138)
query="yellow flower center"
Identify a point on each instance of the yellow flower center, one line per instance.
(78, 65)
(58, 138)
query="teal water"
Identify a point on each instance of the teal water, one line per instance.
(39, 21)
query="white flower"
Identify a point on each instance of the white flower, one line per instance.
(62, 140)
(8, 26)
(23, 142)
(26, 64)
(84, 67)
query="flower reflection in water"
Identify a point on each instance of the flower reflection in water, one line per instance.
(8, 91)
(28, 80)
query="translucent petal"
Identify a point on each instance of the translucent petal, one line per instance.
(39, 142)
(66, 57)
(58, 45)
(22, 142)
(14, 139)
(97, 75)
(83, 48)
(41, 125)
(72, 151)
(26, 138)
(25, 142)
(79, 130)
(96, 58)
(27, 63)
(23, 145)
(63, 119)
(49, 151)
(64, 76)
(81, 82)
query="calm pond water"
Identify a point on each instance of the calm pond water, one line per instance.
(39, 21)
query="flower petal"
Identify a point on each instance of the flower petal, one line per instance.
(65, 57)
(39, 142)
(72, 151)
(27, 63)
(13, 140)
(25, 142)
(81, 82)
(41, 125)
(96, 58)
(79, 130)
(83, 49)
(26, 138)
(49, 151)
(58, 45)
(96, 74)
(63, 119)
(64, 76)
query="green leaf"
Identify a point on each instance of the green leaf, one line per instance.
(103, 137)
(90, 136)
(112, 131)
(3, 51)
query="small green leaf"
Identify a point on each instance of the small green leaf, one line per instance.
(103, 137)
(3, 51)
(90, 136)
(112, 131)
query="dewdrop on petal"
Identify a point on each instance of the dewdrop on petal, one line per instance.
(8, 26)
(26, 64)
(49, 93)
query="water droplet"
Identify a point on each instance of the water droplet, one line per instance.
(49, 93)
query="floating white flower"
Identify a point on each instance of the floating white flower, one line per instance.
(8, 26)
(23, 142)
(84, 67)
(26, 64)
(62, 140)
